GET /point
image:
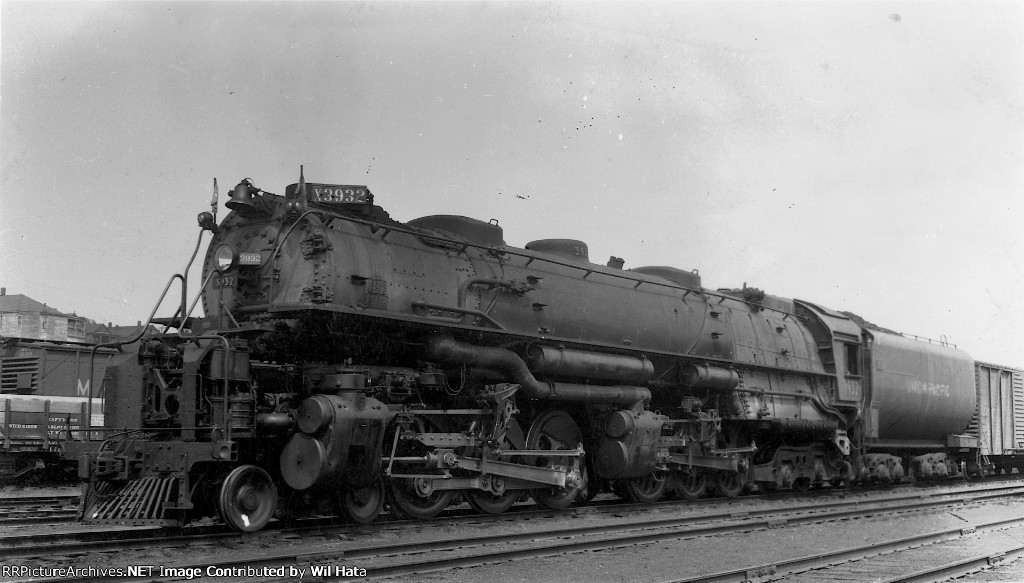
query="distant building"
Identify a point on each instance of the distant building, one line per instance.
(104, 333)
(23, 317)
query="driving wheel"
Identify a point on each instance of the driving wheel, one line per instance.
(647, 489)
(491, 503)
(730, 484)
(690, 484)
(496, 503)
(414, 497)
(554, 431)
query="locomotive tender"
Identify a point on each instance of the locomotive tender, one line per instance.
(347, 359)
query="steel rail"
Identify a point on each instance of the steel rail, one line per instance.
(960, 568)
(21, 501)
(806, 563)
(23, 517)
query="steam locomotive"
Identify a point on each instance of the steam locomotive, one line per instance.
(347, 360)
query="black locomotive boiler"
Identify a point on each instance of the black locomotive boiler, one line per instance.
(348, 360)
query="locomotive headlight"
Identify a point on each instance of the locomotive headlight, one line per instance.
(225, 257)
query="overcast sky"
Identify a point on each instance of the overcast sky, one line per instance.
(866, 156)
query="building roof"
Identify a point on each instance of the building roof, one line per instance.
(119, 331)
(18, 303)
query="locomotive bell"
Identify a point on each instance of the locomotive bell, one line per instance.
(241, 200)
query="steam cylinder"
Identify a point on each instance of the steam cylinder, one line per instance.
(339, 439)
(629, 448)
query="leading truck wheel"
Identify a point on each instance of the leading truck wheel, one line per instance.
(555, 431)
(248, 499)
(364, 505)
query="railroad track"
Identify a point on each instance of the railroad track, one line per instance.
(22, 510)
(413, 559)
(141, 537)
(411, 556)
(983, 546)
(17, 502)
(52, 516)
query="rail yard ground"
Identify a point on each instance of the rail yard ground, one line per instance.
(681, 542)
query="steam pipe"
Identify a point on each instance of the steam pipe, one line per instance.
(703, 376)
(447, 349)
(565, 362)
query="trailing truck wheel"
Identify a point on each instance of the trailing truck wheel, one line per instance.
(555, 431)
(365, 504)
(647, 489)
(248, 499)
